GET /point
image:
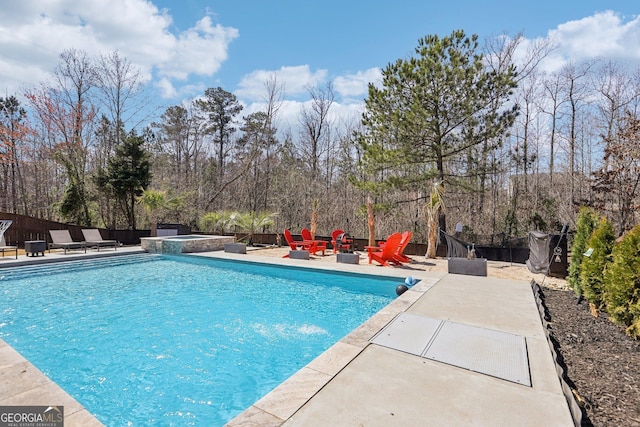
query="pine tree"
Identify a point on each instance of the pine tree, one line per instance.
(128, 174)
(432, 109)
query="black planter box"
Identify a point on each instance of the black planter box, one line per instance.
(235, 248)
(470, 267)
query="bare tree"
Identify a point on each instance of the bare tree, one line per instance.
(552, 105)
(13, 132)
(255, 147)
(274, 99)
(66, 109)
(576, 92)
(618, 180)
(316, 126)
(121, 87)
(615, 90)
(526, 137)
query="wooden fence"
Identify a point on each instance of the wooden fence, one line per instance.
(26, 228)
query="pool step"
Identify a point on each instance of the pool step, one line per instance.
(75, 265)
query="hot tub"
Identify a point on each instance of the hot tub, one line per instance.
(184, 243)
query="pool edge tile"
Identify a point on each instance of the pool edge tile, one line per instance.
(82, 418)
(254, 416)
(284, 400)
(19, 378)
(334, 359)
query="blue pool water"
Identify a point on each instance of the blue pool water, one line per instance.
(178, 340)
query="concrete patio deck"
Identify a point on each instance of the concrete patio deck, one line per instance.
(360, 382)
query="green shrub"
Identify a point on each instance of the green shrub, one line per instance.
(622, 283)
(593, 266)
(585, 224)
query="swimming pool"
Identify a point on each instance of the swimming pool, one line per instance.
(178, 340)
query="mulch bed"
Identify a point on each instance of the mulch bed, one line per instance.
(602, 364)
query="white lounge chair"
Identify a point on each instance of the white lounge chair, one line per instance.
(62, 239)
(92, 237)
(4, 225)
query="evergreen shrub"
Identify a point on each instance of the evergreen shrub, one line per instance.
(622, 283)
(585, 224)
(592, 267)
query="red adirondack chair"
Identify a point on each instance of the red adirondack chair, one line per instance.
(400, 256)
(295, 244)
(386, 253)
(334, 236)
(317, 245)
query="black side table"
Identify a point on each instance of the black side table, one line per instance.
(35, 247)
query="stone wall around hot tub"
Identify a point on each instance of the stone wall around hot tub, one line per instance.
(163, 245)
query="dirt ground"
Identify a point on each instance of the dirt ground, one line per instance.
(601, 362)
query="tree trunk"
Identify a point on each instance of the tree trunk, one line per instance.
(371, 222)
(432, 241)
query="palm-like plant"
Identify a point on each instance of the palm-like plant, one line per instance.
(218, 222)
(250, 222)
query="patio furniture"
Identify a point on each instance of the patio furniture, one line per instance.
(35, 247)
(295, 245)
(317, 245)
(342, 242)
(386, 253)
(334, 236)
(400, 256)
(4, 225)
(93, 238)
(62, 239)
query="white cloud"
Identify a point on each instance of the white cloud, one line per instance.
(35, 32)
(287, 115)
(354, 85)
(343, 115)
(199, 50)
(296, 81)
(166, 88)
(604, 34)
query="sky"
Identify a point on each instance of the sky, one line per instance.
(183, 47)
